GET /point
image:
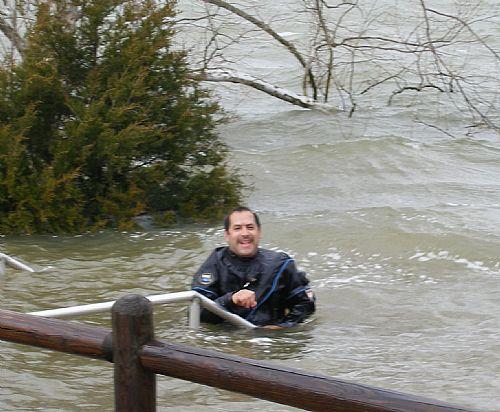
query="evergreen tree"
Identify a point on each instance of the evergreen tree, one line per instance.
(100, 123)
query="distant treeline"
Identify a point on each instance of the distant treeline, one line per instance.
(99, 123)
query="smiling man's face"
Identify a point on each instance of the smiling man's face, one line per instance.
(243, 235)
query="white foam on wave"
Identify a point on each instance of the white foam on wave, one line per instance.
(476, 265)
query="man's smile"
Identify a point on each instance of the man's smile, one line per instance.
(243, 234)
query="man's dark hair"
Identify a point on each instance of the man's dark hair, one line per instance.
(227, 219)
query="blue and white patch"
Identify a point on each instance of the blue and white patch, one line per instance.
(206, 278)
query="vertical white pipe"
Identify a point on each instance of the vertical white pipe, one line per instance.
(194, 314)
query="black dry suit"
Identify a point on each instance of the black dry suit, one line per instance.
(281, 291)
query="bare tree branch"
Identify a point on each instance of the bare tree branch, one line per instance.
(11, 34)
(349, 51)
(468, 27)
(267, 29)
(454, 79)
(220, 75)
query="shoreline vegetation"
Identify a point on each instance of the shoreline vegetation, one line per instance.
(100, 123)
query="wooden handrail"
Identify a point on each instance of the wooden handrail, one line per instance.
(260, 379)
(275, 383)
(62, 336)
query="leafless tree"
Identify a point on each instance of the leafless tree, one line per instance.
(344, 53)
(12, 25)
(16, 16)
(352, 50)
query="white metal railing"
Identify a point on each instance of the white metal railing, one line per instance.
(6, 260)
(197, 301)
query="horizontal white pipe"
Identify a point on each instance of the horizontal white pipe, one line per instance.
(155, 299)
(15, 264)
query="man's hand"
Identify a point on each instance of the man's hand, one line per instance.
(245, 298)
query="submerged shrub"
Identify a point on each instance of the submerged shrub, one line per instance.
(100, 122)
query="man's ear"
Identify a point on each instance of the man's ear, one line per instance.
(226, 235)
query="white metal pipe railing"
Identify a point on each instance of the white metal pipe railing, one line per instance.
(194, 313)
(192, 296)
(6, 260)
(196, 299)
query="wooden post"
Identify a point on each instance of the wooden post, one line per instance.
(135, 387)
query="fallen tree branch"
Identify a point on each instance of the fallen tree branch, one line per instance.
(219, 75)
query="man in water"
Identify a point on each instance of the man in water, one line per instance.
(260, 285)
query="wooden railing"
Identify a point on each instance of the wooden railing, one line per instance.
(138, 357)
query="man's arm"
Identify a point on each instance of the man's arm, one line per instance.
(302, 305)
(300, 298)
(207, 282)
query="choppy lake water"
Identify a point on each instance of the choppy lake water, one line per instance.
(396, 224)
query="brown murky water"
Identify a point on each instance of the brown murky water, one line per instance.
(397, 225)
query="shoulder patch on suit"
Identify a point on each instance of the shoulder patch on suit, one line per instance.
(206, 278)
